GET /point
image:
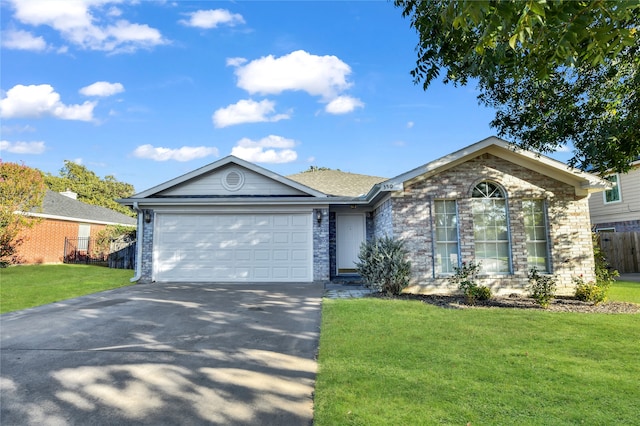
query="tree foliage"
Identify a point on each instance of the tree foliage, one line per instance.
(91, 189)
(22, 189)
(558, 73)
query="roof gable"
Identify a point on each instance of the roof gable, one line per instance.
(583, 182)
(229, 177)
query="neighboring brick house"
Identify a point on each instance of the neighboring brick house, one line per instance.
(62, 216)
(618, 209)
(233, 221)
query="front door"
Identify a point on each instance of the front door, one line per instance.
(350, 230)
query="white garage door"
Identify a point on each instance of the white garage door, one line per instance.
(233, 247)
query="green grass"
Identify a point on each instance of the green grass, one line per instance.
(24, 287)
(404, 362)
(625, 291)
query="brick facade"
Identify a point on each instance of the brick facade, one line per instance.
(44, 242)
(571, 252)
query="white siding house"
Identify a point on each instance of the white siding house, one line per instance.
(618, 209)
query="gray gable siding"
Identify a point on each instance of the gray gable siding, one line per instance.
(212, 183)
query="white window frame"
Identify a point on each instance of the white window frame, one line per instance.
(615, 179)
(606, 229)
(547, 267)
(491, 195)
(437, 266)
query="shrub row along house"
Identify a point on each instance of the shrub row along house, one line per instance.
(510, 210)
(63, 217)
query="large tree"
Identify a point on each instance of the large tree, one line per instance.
(22, 189)
(91, 189)
(558, 73)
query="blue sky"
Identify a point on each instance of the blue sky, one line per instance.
(149, 90)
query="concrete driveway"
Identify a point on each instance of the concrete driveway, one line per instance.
(164, 354)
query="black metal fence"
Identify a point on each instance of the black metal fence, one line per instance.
(121, 253)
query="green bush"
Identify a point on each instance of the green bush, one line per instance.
(465, 278)
(597, 291)
(589, 291)
(383, 265)
(482, 293)
(542, 288)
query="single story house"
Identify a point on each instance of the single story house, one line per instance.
(509, 209)
(64, 217)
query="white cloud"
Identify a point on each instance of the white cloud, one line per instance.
(102, 88)
(22, 40)
(235, 62)
(324, 76)
(82, 23)
(343, 105)
(247, 111)
(41, 100)
(22, 147)
(186, 153)
(271, 149)
(212, 18)
(410, 124)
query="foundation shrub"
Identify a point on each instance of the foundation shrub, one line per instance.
(383, 265)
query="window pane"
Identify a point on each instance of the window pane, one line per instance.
(613, 194)
(491, 228)
(536, 233)
(446, 235)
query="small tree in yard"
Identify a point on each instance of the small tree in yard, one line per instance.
(21, 189)
(383, 265)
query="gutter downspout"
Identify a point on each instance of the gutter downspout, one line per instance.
(139, 233)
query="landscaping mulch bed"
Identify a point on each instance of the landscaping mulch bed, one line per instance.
(560, 304)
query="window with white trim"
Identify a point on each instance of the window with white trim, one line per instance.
(491, 228)
(535, 227)
(446, 236)
(613, 195)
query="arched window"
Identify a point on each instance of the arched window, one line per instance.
(491, 228)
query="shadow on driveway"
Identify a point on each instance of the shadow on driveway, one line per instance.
(184, 354)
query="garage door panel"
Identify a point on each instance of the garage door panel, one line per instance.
(233, 248)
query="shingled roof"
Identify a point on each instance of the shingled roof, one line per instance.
(336, 182)
(58, 205)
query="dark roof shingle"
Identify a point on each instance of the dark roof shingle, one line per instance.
(56, 204)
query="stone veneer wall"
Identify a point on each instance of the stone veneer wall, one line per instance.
(383, 219)
(321, 255)
(571, 248)
(332, 246)
(147, 250)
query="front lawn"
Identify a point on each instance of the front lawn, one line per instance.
(625, 291)
(27, 286)
(405, 362)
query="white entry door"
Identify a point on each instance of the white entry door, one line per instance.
(350, 230)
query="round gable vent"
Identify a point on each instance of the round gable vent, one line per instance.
(233, 180)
